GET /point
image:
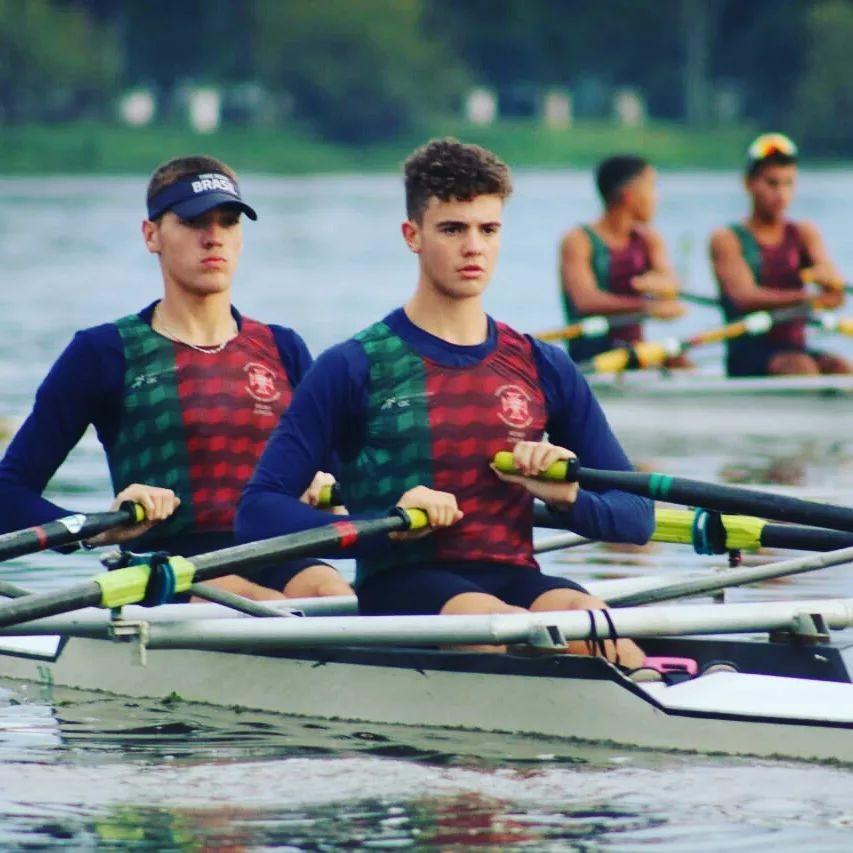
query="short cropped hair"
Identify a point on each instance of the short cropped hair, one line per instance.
(614, 173)
(449, 169)
(181, 167)
(777, 158)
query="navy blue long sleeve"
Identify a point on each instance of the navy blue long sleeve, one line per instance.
(327, 415)
(85, 386)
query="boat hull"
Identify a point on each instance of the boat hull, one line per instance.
(554, 695)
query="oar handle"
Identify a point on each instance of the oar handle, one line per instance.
(565, 470)
(330, 496)
(67, 530)
(134, 512)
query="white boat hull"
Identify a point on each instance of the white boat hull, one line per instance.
(560, 696)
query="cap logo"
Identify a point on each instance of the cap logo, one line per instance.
(213, 182)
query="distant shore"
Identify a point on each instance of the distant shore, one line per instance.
(92, 148)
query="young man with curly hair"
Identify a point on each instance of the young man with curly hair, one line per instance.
(417, 405)
(182, 395)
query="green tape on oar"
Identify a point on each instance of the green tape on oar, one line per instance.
(659, 485)
(129, 585)
(728, 499)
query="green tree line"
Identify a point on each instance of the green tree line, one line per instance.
(360, 71)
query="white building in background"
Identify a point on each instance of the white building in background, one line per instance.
(557, 110)
(204, 109)
(481, 106)
(137, 107)
(629, 108)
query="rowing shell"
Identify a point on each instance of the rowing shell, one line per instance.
(787, 699)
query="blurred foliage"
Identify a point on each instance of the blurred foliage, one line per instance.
(824, 97)
(55, 62)
(578, 44)
(362, 71)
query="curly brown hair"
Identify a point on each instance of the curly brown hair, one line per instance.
(449, 169)
(181, 167)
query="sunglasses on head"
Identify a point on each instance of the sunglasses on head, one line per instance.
(772, 143)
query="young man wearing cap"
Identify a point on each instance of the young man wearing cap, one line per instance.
(619, 263)
(182, 395)
(764, 263)
(417, 405)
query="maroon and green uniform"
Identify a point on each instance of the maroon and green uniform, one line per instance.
(778, 267)
(427, 424)
(196, 422)
(614, 270)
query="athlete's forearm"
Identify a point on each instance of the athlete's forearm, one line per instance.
(759, 298)
(611, 516)
(25, 507)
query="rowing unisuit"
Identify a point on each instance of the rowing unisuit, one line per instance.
(339, 407)
(777, 266)
(194, 421)
(614, 270)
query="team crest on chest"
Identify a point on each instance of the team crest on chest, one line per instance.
(261, 382)
(514, 409)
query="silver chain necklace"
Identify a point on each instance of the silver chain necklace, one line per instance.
(211, 350)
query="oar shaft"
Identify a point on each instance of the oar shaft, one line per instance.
(130, 585)
(252, 555)
(87, 594)
(595, 326)
(718, 497)
(698, 299)
(714, 496)
(733, 577)
(66, 530)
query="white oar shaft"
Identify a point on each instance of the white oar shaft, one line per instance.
(234, 634)
(734, 577)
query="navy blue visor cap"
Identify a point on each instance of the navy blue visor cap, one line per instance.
(194, 195)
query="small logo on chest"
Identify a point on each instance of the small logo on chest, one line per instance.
(514, 408)
(261, 382)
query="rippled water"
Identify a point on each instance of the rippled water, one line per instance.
(326, 258)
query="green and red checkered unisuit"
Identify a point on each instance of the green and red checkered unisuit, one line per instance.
(436, 426)
(196, 422)
(773, 266)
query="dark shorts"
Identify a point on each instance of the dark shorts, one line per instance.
(752, 357)
(272, 577)
(424, 590)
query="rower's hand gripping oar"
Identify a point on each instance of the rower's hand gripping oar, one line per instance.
(68, 530)
(155, 584)
(71, 529)
(648, 354)
(713, 496)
